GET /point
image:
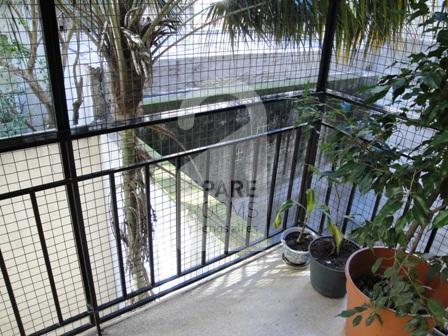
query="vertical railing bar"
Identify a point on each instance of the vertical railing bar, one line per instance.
(407, 205)
(278, 142)
(178, 219)
(292, 174)
(431, 239)
(50, 30)
(205, 209)
(253, 183)
(150, 226)
(92, 304)
(230, 200)
(376, 206)
(286, 156)
(116, 223)
(307, 177)
(12, 298)
(327, 200)
(349, 208)
(44, 248)
(327, 46)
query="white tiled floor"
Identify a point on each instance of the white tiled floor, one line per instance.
(261, 298)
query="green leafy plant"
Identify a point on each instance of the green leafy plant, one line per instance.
(412, 178)
(338, 236)
(12, 119)
(335, 231)
(310, 206)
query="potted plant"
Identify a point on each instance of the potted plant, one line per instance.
(328, 256)
(296, 240)
(393, 290)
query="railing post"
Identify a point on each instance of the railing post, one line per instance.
(307, 177)
(278, 142)
(56, 77)
(12, 298)
(327, 46)
(292, 175)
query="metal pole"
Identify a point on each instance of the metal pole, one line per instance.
(150, 226)
(113, 193)
(292, 174)
(205, 209)
(178, 219)
(349, 208)
(327, 46)
(307, 177)
(253, 181)
(278, 142)
(56, 76)
(11, 295)
(230, 200)
(43, 245)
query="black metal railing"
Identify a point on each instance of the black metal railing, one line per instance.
(96, 307)
(129, 298)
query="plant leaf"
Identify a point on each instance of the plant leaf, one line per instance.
(357, 320)
(376, 265)
(354, 311)
(441, 219)
(278, 216)
(310, 201)
(337, 234)
(437, 311)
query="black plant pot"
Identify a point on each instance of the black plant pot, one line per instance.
(327, 270)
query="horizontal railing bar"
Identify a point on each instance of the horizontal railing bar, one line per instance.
(29, 141)
(198, 150)
(65, 322)
(333, 127)
(35, 189)
(183, 284)
(142, 164)
(183, 273)
(78, 330)
(53, 136)
(359, 102)
(173, 115)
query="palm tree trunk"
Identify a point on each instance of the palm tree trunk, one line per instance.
(134, 222)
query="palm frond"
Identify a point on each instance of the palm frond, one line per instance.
(280, 22)
(371, 22)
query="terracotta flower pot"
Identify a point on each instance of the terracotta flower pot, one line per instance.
(361, 263)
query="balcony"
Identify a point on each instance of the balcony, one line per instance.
(140, 174)
(262, 296)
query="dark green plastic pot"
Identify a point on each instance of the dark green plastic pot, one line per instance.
(325, 280)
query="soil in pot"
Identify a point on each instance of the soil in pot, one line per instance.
(360, 264)
(303, 245)
(324, 253)
(327, 269)
(366, 284)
